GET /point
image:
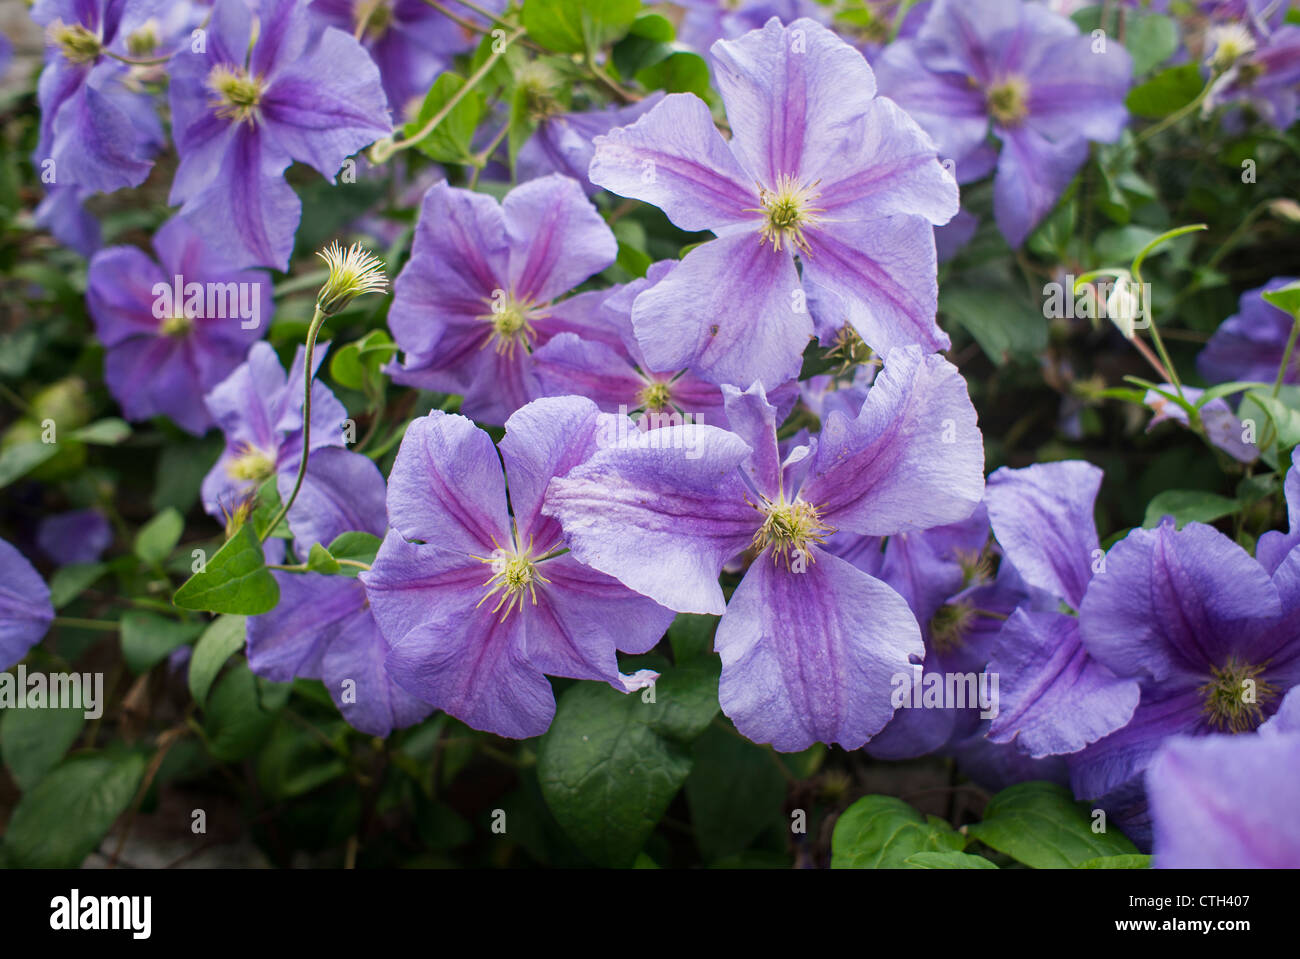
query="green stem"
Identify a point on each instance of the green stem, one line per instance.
(1181, 112)
(104, 625)
(483, 156)
(317, 321)
(1286, 357)
(384, 149)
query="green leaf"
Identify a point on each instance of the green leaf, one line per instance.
(319, 560)
(579, 26)
(158, 537)
(882, 832)
(1228, 389)
(648, 42)
(60, 822)
(1285, 418)
(685, 699)
(1286, 299)
(1151, 40)
(997, 317)
(346, 369)
(106, 432)
(1040, 824)
(294, 761)
(21, 458)
(1118, 862)
(356, 546)
(734, 792)
(691, 636)
(32, 741)
(69, 582)
(1166, 92)
(607, 773)
(235, 580)
(1187, 506)
(221, 640)
(148, 639)
(947, 860)
(682, 72)
(450, 141)
(236, 721)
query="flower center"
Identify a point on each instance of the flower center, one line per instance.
(654, 396)
(1230, 42)
(251, 463)
(949, 626)
(177, 325)
(1234, 699)
(144, 40)
(237, 95)
(513, 575)
(77, 43)
(789, 530)
(786, 210)
(511, 320)
(1009, 101)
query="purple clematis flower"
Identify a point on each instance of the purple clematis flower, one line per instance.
(63, 213)
(1260, 67)
(25, 610)
(96, 132)
(1055, 697)
(323, 627)
(1026, 73)
(563, 142)
(1222, 427)
(409, 41)
(1226, 802)
(1250, 344)
(79, 536)
(475, 592)
(252, 103)
(707, 21)
(260, 411)
(620, 380)
(1274, 546)
(809, 643)
(818, 168)
(480, 290)
(946, 575)
(1214, 640)
(175, 328)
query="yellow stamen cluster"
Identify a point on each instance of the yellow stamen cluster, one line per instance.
(1008, 101)
(786, 210)
(75, 42)
(511, 320)
(236, 95)
(250, 463)
(352, 272)
(1234, 698)
(1230, 42)
(949, 626)
(513, 574)
(789, 529)
(144, 40)
(655, 396)
(178, 325)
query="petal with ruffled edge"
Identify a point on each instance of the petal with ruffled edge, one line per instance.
(1032, 174)
(556, 237)
(912, 459)
(660, 511)
(342, 492)
(446, 487)
(458, 260)
(946, 105)
(810, 656)
(25, 610)
(792, 93)
(732, 311)
(1042, 516)
(675, 158)
(884, 271)
(1054, 698)
(1175, 603)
